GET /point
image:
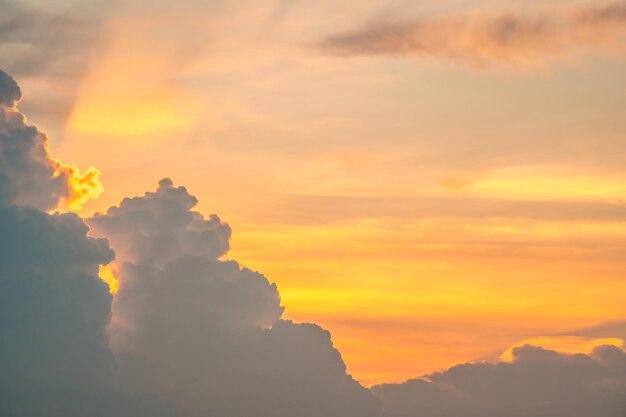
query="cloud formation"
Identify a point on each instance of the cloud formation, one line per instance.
(210, 326)
(509, 39)
(54, 310)
(537, 383)
(28, 173)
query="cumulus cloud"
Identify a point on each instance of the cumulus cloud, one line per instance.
(538, 383)
(511, 39)
(54, 310)
(204, 334)
(28, 173)
(194, 334)
(163, 227)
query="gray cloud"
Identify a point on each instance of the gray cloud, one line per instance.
(538, 383)
(615, 329)
(164, 227)
(210, 326)
(51, 45)
(192, 334)
(36, 38)
(28, 173)
(54, 310)
(513, 39)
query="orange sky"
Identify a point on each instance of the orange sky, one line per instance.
(427, 211)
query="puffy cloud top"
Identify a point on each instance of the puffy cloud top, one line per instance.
(160, 226)
(10, 92)
(210, 326)
(44, 241)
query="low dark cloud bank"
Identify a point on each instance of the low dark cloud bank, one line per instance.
(538, 383)
(191, 333)
(511, 39)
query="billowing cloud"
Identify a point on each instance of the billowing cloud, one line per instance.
(211, 326)
(193, 334)
(537, 383)
(54, 310)
(511, 39)
(163, 227)
(54, 313)
(28, 173)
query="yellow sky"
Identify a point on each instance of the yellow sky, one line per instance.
(426, 212)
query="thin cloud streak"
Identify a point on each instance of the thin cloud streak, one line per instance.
(514, 39)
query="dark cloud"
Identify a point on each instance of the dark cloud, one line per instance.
(10, 92)
(538, 383)
(54, 309)
(515, 39)
(616, 329)
(28, 173)
(54, 312)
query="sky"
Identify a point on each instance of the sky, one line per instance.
(441, 186)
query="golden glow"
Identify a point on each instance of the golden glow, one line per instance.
(131, 115)
(109, 273)
(82, 187)
(539, 182)
(445, 291)
(564, 344)
(127, 98)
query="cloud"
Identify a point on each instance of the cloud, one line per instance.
(537, 383)
(191, 333)
(36, 38)
(509, 39)
(205, 334)
(49, 46)
(28, 173)
(54, 310)
(164, 227)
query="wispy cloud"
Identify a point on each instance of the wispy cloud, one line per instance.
(34, 39)
(513, 39)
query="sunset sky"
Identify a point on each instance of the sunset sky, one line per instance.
(434, 183)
